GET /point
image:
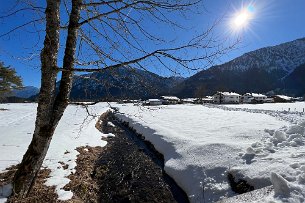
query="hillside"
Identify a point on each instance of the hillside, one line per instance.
(123, 83)
(25, 92)
(262, 70)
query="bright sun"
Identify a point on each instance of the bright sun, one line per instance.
(242, 18)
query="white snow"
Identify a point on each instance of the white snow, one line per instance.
(284, 97)
(17, 126)
(154, 100)
(257, 95)
(292, 107)
(172, 98)
(261, 144)
(201, 144)
(230, 94)
(110, 124)
(110, 135)
(282, 153)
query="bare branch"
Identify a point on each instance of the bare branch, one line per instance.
(100, 3)
(21, 10)
(21, 26)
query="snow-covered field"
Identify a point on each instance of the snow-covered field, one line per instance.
(292, 107)
(201, 144)
(17, 126)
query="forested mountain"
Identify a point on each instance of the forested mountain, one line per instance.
(123, 83)
(262, 70)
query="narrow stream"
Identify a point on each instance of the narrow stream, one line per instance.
(145, 146)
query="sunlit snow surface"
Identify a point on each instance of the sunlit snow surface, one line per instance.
(17, 126)
(200, 144)
(292, 107)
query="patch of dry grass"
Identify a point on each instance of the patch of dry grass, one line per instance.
(82, 184)
(39, 192)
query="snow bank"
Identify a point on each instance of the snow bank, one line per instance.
(73, 131)
(279, 160)
(201, 144)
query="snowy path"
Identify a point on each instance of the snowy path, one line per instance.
(17, 126)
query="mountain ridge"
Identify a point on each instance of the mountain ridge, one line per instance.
(262, 70)
(274, 69)
(122, 83)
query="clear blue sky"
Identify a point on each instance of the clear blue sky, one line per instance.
(273, 22)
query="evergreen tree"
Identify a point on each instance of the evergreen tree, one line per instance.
(8, 79)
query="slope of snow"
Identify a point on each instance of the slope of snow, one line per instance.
(200, 145)
(17, 126)
(282, 153)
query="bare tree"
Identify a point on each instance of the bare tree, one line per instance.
(101, 35)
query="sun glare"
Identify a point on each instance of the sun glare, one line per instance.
(242, 18)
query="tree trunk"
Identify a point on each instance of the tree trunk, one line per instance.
(50, 107)
(62, 98)
(33, 158)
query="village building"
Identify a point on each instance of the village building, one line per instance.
(269, 100)
(189, 100)
(207, 100)
(204, 100)
(282, 98)
(299, 99)
(226, 98)
(154, 102)
(129, 101)
(170, 100)
(253, 98)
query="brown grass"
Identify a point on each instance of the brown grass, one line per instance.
(39, 192)
(82, 184)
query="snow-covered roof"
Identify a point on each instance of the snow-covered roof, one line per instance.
(189, 99)
(154, 100)
(208, 98)
(229, 93)
(284, 97)
(258, 95)
(255, 95)
(170, 98)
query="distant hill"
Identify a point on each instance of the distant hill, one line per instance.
(262, 70)
(122, 83)
(277, 69)
(25, 92)
(294, 83)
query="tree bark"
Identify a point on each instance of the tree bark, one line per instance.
(50, 107)
(33, 158)
(62, 98)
